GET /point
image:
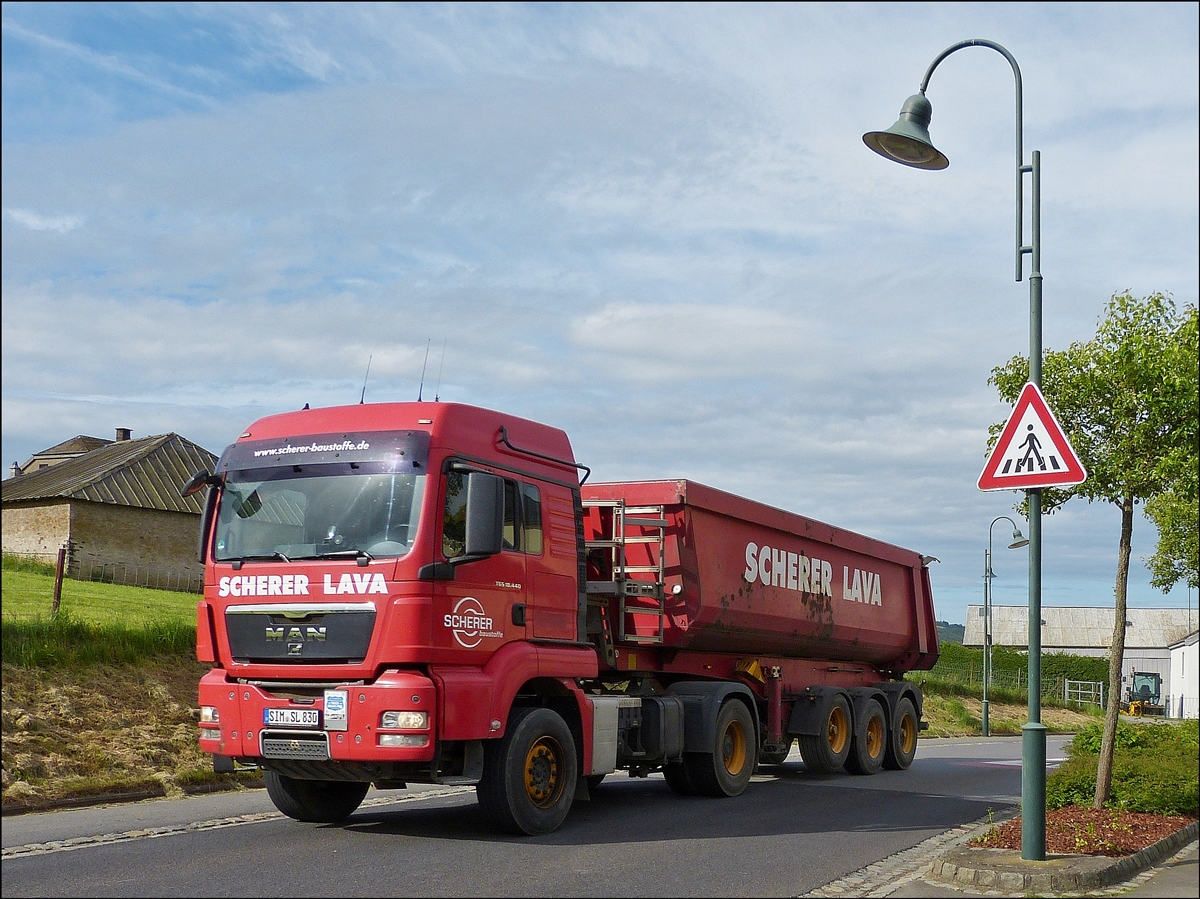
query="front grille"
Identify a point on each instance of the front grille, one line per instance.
(307, 746)
(328, 633)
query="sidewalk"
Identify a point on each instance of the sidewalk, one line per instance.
(944, 865)
(1177, 876)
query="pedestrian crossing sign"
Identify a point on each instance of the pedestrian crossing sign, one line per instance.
(1032, 451)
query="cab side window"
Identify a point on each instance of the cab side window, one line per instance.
(454, 519)
(510, 515)
(531, 519)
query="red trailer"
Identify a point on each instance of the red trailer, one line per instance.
(426, 592)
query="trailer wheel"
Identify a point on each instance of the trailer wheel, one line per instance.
(827, 751)
(870, 741)
(676, 774)
(529, 775)
(776, 757)
(727, 769)
(315, 801)
(902, 747)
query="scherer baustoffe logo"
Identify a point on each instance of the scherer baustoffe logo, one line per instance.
(470, 623)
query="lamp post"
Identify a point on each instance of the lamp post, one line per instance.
(908, 143)
(1018, 540)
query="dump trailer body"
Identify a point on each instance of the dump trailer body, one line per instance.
(742, 577)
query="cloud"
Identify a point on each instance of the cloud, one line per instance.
(34, 222)
(655, 228)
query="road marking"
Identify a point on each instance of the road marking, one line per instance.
(149, 833)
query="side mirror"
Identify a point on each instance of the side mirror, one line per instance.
(200, 479)
(485, 514)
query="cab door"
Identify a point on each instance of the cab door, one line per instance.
(483, 607)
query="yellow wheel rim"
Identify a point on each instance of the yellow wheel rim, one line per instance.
(838, 730)
(875, 737)
(543, 772)
(734, 745)
(908, 734)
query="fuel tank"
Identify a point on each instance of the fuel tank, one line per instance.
(692, 568)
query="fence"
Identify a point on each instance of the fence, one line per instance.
(87, 568)
(1084, 691)
(1005, 679)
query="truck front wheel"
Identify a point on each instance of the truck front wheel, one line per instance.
(870, 742)
(315, 801)
(902, 747)
(727, 769)
(529, 775)
(827, 750)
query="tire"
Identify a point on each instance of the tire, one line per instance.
(529, 775)
(778, 757)
(315, 801)
(902, 742)
(678, 779)
(870, 741)
(726, 770)
(828, 750)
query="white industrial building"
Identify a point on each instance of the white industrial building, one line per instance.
(1185, 676)
(1151, 638)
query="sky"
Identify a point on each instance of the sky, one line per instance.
(654, 226)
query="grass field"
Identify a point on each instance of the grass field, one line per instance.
(29, 595)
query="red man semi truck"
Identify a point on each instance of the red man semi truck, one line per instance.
(430, 593)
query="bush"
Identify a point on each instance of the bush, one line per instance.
(63, 640)
(25, 563)
(1154, 770)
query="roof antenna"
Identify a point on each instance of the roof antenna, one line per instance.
(363, 398)
(440, 364)
(421, 389)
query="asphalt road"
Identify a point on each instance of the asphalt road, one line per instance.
(789, 833)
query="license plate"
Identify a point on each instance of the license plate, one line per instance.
(291, 717)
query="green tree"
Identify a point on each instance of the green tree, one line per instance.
(1127, 401)
(1176, 511)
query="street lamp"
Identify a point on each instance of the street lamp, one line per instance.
(908, 142)
(1018, 540)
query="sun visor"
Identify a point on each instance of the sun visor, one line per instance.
(380, 450)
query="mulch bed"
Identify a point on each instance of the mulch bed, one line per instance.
(1077, 830)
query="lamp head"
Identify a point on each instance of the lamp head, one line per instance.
(907, 142)
(1019, 539)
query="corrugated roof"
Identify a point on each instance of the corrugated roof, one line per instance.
(146, 473)
(80, 443)
(1085, 627)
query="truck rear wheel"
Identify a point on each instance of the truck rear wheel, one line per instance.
(529, 775)
(870, 741)
(827, 751)
(315, 801)
(727, 769)
(902, 747)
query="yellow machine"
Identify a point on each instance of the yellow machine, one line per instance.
(1144, 697)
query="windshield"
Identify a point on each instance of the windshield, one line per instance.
(318, 512)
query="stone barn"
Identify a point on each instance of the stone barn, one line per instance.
(116, 508)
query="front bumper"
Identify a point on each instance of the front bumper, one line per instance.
(347, 724)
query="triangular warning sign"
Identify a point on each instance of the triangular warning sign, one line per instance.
(1032, 450)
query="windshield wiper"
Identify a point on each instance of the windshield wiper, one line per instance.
(259, 557)
(361, 555)
(345, 554)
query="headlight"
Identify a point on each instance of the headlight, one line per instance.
(403, 740)
(209, 715)
(210, 733)
(405, 720)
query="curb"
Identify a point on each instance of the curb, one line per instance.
(157, 792)
(1004, 869)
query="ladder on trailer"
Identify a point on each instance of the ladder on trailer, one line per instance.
(638, 587)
